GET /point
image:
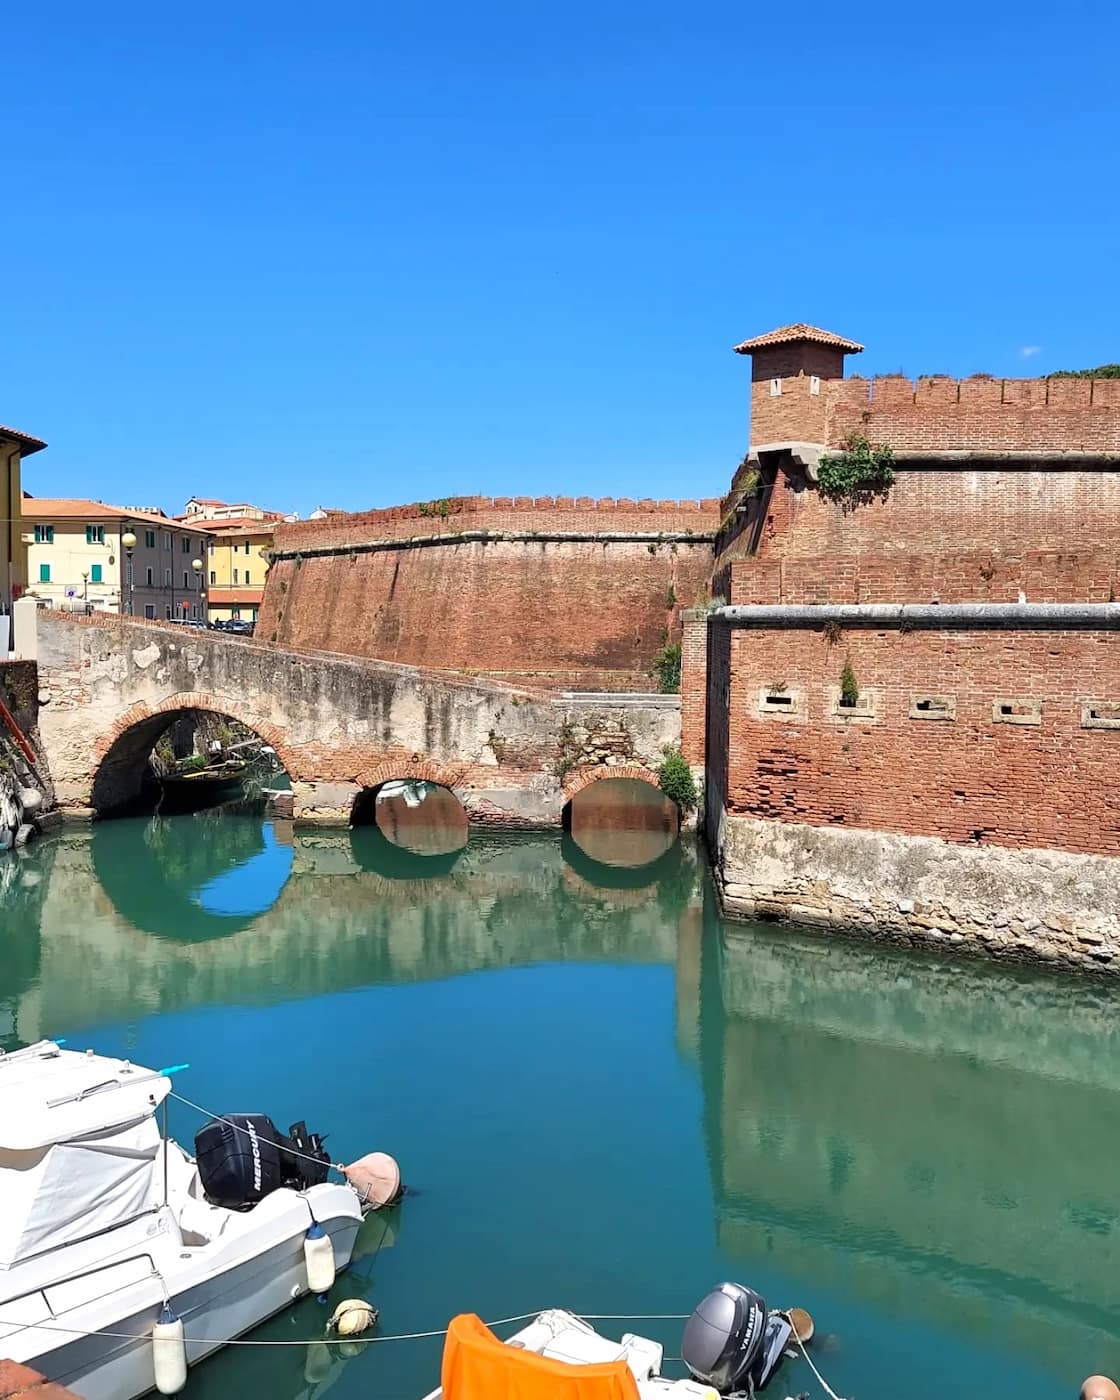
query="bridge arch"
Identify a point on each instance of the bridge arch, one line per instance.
(588, 773)
(121, 754)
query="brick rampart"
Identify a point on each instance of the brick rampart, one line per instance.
(937, 413)
(932, 756)
(575, 614)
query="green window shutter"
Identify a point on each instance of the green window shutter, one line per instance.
(95, 573)
(44, 573)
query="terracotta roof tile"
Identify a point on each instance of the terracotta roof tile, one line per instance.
(786, 335)
(55, 508)
(27, 444)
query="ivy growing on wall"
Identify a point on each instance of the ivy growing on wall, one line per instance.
(856, 474)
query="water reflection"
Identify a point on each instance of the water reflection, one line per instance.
(936, 1140)
(423, 818)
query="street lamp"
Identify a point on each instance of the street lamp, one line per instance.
(196, 565)
(85, 588)
(128, 539)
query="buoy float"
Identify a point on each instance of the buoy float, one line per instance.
(169, 1352)
(376, 1178)
(353, 1315)
(318, 1255)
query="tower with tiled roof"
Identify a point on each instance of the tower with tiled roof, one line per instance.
(790, 368)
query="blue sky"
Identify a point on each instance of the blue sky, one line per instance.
(355, 254)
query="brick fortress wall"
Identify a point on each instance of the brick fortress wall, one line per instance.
(563, 593)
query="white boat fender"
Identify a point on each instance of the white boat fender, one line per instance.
(353, 1315)
(318, 1255)
(169, 1353)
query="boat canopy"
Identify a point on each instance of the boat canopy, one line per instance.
(78, 1147)
(475, 1363)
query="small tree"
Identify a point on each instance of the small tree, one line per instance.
(674, 778)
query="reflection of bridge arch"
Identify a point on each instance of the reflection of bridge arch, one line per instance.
(166, 900)
(620, 877)
(373, 851)
(123, 752)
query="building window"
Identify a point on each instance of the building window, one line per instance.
(167, 578)
(95, 573)
(44, 573)
(150, 611)
(149, 539)
(184, 545)
(246, 546)
(210, 547)
(148, 580)
(235, 578)
(213, 578)
(186, 579)
(95, 534)
(246, 578)
(167, 611)
(167, 541)
(44, 534)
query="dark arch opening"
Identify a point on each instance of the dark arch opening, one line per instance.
(416, 816)
(184, 760)
(622, 822)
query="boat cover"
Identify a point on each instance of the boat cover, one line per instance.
(53, 1196)
(478, 1366)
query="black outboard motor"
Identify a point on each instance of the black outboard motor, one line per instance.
(242, 1157)
(732, 1342)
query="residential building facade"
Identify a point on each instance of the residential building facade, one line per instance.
(80, 557)
(14, 446)
(237, 558)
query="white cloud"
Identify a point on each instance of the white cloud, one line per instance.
(1028, 352)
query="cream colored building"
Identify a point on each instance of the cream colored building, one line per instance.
(241, 539)
(14, 446)
(80, 556)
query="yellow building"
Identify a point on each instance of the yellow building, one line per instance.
(13, 547)
(85, 554)
(237, 555)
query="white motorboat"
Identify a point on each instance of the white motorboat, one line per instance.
(123, 1259)
(732, 1344)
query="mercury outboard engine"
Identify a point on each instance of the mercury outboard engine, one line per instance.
(242, 1157)
(732, 1342)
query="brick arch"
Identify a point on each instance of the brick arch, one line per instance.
(589, 773)
(199, 700)
(414, 767)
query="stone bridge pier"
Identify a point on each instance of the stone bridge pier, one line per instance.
(109, 687)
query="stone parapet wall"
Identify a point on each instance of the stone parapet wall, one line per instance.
(1023, 906)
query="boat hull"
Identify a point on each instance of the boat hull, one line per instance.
(215, 1308)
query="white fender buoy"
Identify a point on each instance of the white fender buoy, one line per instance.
(353, 1315)
(318, 1255)
(376, 1178)
(169, 1353)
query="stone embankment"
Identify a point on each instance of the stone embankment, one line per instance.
(1030, 906)
(25, 794)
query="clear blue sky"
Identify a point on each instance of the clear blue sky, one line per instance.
(354, 253)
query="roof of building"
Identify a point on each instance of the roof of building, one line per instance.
(60, 508)
(246, 524)
(207, 501)
(26, 443)
(789, 335)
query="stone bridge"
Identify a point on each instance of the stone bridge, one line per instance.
(109, 687)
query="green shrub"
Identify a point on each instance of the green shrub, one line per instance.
(858, 473)
(674, 778)
(666, 669)
(849, 687)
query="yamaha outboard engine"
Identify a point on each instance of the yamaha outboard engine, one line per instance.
(732, 1342)
(242, 1157)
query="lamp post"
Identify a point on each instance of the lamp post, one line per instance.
(196, 565)
(85, 589)
(128, 539)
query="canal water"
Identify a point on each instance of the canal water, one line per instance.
(602, 1098)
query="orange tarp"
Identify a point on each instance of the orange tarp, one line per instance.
(477, 1366)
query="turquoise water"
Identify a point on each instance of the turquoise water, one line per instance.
(602, 1098)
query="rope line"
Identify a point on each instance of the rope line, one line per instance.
(824, 1385)
(332, 1341)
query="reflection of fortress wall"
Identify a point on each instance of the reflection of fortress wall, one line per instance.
(333, 927)
(912, 1178)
